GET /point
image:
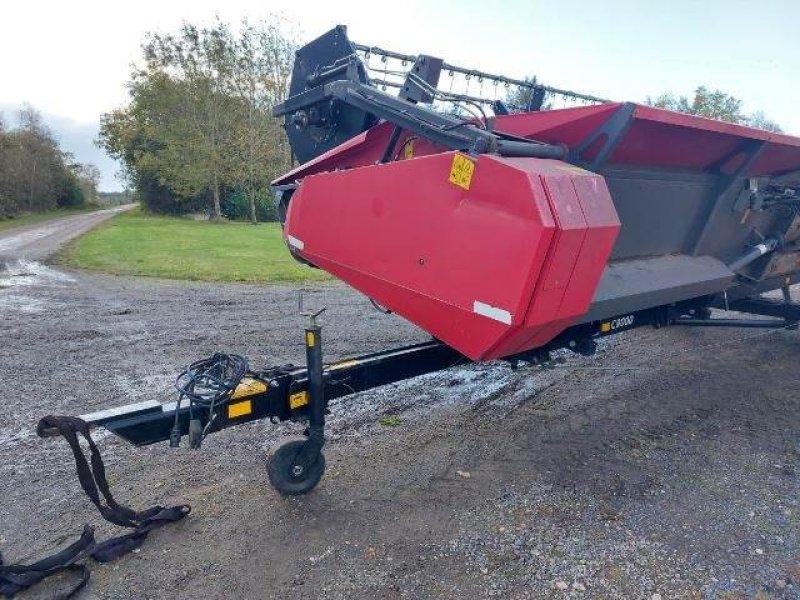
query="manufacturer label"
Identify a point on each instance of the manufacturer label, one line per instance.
(461, 171)
(618, 323)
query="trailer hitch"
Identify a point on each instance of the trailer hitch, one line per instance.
(301, 393)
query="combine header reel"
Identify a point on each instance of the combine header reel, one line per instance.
(504, 231)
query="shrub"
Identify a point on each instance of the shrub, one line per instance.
(235, 206)
(70, 193)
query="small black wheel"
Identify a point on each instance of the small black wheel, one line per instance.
(294, 480)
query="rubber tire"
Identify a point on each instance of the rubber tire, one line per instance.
(278, 470)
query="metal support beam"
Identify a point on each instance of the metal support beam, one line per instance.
(722, 191)
(767, 307)
(613, 130)
(302, 394)
(744, 323)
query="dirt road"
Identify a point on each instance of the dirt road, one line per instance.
(664, 467)
(38, 242)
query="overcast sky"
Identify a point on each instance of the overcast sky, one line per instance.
(71, 59)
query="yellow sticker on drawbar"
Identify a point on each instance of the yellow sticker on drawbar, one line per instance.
(249, 387)
(240, 409)
(605, 327)
(297, 400)
(461, 171)
(310, 340)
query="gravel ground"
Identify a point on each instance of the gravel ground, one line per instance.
(663, 467)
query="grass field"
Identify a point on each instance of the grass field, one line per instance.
(34, 218)
(135, 243)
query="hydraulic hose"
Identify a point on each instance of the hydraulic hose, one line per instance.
(530, 149)
(756, 252)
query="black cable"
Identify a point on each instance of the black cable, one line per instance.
(207, 384)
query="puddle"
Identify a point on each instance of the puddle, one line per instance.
(14, 242)
(21, 303)
(28, 272)
(20, 274)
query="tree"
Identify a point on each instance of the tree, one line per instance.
(35, 175)
(519, 98)
(261, 67)
(40, 167)
(713, 105)
(194, 72)
(199, 120)
(760, 121)
(87, 177)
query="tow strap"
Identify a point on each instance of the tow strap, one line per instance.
(15, 578)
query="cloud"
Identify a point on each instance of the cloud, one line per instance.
(78, 139)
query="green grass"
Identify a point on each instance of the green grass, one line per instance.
(34, 218)
(136, 243)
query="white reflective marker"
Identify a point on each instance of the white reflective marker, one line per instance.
(487, 310)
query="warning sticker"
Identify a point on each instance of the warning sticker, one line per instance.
(461, 171)
(297, 400)
(408, 149)
(240, 409)
(249, 387)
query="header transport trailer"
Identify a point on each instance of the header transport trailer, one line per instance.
(504, 231)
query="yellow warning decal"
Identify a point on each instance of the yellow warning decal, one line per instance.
(310, 339)
(342, 365)
(240, 409)
(408, 149)
(297, 400)
(249, 387)
(461, 171)
(605, 327)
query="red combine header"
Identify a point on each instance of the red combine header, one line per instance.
(506, 232)
(496, 234)
(492, 255)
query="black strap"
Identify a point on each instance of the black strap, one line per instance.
(14, 578)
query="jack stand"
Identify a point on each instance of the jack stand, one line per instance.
(297, 466)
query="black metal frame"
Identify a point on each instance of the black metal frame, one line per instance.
(448, 131)
(302, 394)
(538, 89)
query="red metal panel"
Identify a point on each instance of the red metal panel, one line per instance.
(403, 234)
(568, 126)
(364, 149)
(666, 139)
(587, 229)
(484, 269)
(656, 138)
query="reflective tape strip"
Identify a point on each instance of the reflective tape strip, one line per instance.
(293, 241)
(487, 310)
